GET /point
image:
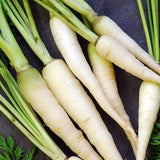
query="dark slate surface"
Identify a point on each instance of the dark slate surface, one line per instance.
(125, 13)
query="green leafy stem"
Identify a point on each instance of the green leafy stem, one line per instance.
(10, 151)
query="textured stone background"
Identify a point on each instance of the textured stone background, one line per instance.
(125, 13)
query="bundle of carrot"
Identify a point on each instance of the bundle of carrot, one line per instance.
(108, 44)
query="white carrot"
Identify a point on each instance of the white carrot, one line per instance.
(40, 97)
(80, 107)
(149, 102)
(112, 50)
(104, 72)
(69, 47)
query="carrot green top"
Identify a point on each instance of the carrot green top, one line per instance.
(24, 22)
(152, 29)
(9, 45)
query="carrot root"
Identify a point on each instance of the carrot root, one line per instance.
(149, 102)
(112, 50)
(80, 107)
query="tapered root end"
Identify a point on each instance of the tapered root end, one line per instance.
(132, 137)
